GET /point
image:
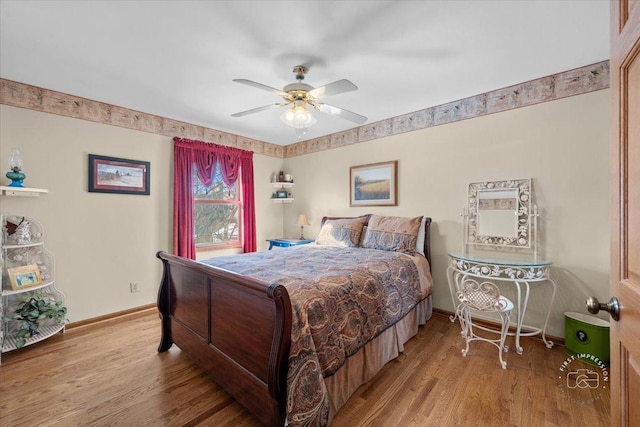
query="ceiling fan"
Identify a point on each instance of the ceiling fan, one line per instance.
(300, 95)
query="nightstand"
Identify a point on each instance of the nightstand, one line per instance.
(285, 243)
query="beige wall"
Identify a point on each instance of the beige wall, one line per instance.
(102, 242)
(563, 145)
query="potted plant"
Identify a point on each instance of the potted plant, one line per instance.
(29, 313)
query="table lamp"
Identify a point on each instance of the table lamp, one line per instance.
(302, 221)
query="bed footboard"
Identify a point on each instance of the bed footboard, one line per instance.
(235, 327)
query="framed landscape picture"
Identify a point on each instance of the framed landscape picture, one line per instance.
(115, 175)
(375, 184)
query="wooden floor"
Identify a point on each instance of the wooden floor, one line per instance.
(111, 375)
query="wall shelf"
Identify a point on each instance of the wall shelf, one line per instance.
(21, 191)
(282, 184)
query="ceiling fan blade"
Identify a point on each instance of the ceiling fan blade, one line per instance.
(260, 86)
(340, 86)
(345, 114)
(256, 110)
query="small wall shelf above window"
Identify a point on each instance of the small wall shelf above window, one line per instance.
(21, 191)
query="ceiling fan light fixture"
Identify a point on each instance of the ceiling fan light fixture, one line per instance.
(300, 96)
(298, 117)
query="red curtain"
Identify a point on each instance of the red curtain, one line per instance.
(183, 227)
(205, 155)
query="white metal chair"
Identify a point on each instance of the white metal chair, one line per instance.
(483, 297)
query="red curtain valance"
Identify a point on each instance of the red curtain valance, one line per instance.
(210, 146)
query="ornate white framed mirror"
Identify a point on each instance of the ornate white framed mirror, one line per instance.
(500, 213)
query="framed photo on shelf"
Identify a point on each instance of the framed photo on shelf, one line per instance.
(375, 184)
(24, 276)
(281, 194)
(115, 175)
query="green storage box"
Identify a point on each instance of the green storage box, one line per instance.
(589, 335)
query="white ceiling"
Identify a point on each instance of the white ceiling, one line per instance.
(177, 59)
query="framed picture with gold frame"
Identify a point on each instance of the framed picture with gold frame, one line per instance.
(24, 276)
(375, 184)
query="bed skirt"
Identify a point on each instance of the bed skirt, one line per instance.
(369, 360)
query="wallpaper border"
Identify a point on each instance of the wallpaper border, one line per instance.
(578, 81)
(569, 83)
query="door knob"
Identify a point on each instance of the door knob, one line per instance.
(612, 307)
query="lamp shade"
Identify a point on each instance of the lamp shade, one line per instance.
(302, 220)
(298, 116)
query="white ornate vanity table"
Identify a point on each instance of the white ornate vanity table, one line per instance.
(519, 271)
(500, 236)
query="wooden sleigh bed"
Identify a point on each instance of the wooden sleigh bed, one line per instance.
(239, 318)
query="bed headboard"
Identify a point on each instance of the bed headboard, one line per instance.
(427, 231)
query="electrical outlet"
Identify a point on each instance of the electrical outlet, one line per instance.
(134, 287)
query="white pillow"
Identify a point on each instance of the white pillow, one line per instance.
(420, 241)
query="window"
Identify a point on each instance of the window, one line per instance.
(217, 213)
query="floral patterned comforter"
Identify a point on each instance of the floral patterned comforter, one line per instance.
(342, 298)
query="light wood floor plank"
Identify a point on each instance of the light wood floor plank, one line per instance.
(110, 374)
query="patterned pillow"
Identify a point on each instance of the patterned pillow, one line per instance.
(392, 233)
(341, 232)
